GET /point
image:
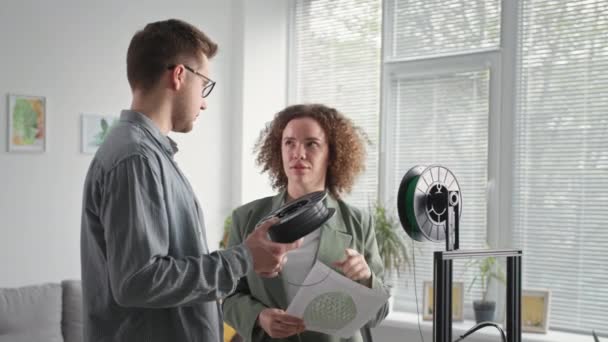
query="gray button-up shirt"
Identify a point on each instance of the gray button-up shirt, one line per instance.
(147, 274)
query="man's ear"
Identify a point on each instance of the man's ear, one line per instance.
(177, 77)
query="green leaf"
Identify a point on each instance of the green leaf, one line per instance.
(393, 247)
(227, 229)
(487, 269)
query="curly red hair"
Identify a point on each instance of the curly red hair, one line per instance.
(346, 144)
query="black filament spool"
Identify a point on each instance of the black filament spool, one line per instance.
(299, 217)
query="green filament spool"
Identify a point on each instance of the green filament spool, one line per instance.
(421, 219)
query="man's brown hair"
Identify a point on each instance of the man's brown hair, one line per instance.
(161, 44)
(346, 144)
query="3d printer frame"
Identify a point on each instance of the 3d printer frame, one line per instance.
(442, 284)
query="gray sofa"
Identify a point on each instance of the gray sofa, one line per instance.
(42, 313)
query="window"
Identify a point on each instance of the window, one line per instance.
(441, 70)
(509, 95)
(421, 29)
(560, 180)
(336, 61)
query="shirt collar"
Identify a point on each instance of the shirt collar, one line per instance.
(142, 120)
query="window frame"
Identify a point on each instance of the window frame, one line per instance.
(501, 62)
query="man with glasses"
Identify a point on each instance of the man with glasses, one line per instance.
(147, 274)
(208, 84)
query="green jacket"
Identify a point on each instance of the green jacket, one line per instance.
(347, 228)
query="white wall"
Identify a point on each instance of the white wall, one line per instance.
(264, 30)
(73, 53)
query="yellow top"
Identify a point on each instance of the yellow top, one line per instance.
(229, 333)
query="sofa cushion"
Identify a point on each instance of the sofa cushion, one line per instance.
(71, 323)
(31, 313)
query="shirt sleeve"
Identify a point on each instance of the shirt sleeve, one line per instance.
(241, 309)
(141, 269)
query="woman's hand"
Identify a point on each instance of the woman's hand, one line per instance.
(278, 324)
(355, 267)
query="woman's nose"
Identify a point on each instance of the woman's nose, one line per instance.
(299, 152)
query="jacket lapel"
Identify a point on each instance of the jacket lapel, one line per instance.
(334, 237)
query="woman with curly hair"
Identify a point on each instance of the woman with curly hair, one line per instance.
(305, 148)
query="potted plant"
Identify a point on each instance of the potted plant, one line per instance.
(393, 248)
(487, 269)
(226, 234)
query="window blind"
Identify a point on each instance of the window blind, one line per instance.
(560, 190)
(443, 119)
(336, 59)
(423, 28)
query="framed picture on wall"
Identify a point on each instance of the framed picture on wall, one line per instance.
(26, 123)
(457, 301)
(535, 308)
(94, 130)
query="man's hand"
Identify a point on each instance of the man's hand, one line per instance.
(268, 257)
(278, 324)
(355, 267)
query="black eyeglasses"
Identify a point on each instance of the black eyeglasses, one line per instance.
(209, 83)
